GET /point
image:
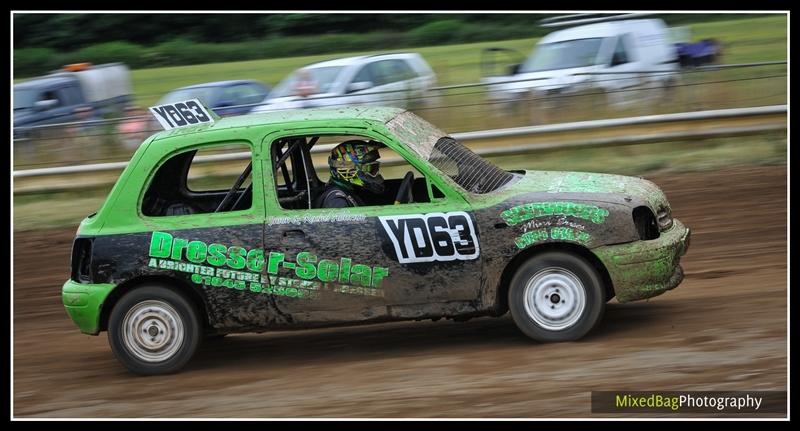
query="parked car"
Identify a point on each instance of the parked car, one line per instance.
(385, 79)
(64, 96)
(224, 97)
(591, 56)
(161, 265)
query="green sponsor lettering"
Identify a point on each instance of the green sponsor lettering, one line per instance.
(556, 233)
(521, 213)
(305, 265)
(275, 260)
(216, 254)
(344, 270)
(531, 237)
(255, 260)
(361, 274)
(168, 252)
(196, 251)
(178, 244)
(160, 243)
(378, 275)
(327, 270)
(236, 257)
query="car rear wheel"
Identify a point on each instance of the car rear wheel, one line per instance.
(154, 330)
(556, 296)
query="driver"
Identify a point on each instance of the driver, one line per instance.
(354, 171)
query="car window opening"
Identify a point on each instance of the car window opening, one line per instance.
(291, 160)
(182, 186)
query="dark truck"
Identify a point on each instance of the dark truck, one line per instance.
(79, 91)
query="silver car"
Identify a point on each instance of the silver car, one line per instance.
(385, 79)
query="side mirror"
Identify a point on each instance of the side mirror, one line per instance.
(514, 69)
(359, 86)
(43, 105)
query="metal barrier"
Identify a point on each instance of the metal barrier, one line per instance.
(519, 131)
(451, 87)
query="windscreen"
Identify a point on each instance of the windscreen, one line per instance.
(467, 169)
(24, 98)
(320, 79)
(563, 55)
(207, 95)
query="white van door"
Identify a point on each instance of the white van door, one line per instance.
(620, 85)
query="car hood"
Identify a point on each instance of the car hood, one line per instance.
(556, 182)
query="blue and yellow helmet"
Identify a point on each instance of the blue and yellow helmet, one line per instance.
(356, 163)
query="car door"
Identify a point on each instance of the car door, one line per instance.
(389, 88)
(203, 226)
(61, 112)
(414, 84)
(366, 262)
(621, 64)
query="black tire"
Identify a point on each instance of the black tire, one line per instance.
(158, 311)
(561, 279)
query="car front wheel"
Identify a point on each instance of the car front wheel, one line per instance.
(154, 330)
(556, 296)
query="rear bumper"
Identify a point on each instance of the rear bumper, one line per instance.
(644, 269)
(83, 303)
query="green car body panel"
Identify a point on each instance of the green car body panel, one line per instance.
(247, 272)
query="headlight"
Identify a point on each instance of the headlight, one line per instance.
(664, 219)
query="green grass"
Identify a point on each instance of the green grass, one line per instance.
(744, 40)
(66, 209)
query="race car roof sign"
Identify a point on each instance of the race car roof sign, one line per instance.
(183, 114)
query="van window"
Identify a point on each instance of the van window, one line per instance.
(52, 95)
(69, 96)
(620, 55)
(563, 55)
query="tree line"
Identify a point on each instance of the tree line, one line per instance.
(73, 31)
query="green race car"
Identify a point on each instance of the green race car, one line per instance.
(168, 260)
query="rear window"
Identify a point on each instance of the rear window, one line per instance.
(467, 169)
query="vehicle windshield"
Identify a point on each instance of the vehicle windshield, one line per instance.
(469, 170)
(24, 98)
(563, 55)
(318, 79)
(207, 95)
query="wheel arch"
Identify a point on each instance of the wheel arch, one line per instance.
(179, 286)
(501, 298)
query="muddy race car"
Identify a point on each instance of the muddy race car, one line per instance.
(165, 263)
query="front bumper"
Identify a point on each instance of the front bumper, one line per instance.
(644, 269)
(84, 302)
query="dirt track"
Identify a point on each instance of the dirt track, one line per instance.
(723, 328)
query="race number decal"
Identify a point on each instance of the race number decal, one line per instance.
(432, 237)
(182, 114)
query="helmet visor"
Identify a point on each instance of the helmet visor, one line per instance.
(371, 169)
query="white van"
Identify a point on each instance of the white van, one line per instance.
(609, 55)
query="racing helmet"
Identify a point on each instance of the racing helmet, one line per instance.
(356, 163)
